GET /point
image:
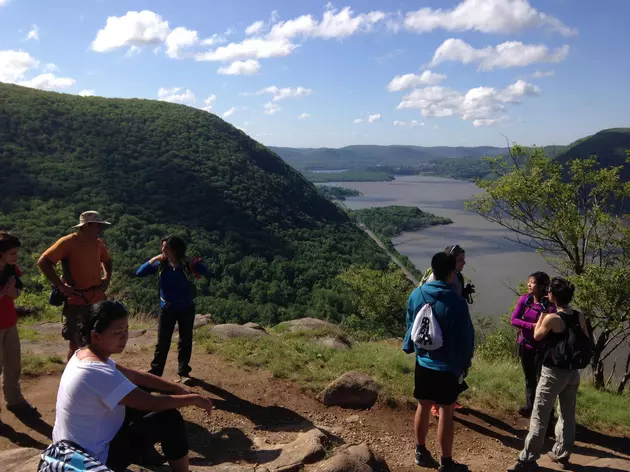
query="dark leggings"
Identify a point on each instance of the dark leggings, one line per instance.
(140, 431)
(185, 319)
(531, 361)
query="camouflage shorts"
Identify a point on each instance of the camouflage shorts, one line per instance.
(74, 318)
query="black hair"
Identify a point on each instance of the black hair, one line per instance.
(443, 265)
(454, 250)
(562, 290)
(8, 241)
(101, 316)
(177, 245)
(541, 279)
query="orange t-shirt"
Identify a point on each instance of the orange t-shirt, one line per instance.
(84, 261)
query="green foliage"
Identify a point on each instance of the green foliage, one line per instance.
(573, 213)
(379, 300)
(273, 243)
(392, 220)
(495, 341)
(337, 193)
(358, 175)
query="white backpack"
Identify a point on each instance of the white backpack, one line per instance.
(426, 332)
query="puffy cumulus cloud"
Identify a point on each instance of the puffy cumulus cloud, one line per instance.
(230, 112)
(304, 116)
(209, 102)
(486, 16)
(50, 67)
(252, 48)
(86, 93)
(541, 74)
(248, 67)
(271, 108)
(33, 33)
(179, 39)
(485, 105)
(144, 28)
(283, 93)
(411, 124)
(48, 81)
(374, 118)
(357, 121)
(176, 95)
(255, 28)
(504, 55)
(15, 64)
(403, 82)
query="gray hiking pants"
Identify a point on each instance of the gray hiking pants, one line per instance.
(554, 383)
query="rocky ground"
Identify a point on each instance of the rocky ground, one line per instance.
(263, 423)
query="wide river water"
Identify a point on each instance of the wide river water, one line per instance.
(495, 264)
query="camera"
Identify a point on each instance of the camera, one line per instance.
(544, 302)
(469, 289)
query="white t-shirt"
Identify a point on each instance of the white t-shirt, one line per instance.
(88, 412)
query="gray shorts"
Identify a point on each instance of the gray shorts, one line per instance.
(74, 318)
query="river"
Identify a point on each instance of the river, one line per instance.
(495, 264)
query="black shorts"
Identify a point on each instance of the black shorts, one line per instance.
(440, 387)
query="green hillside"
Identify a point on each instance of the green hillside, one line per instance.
(272, 241)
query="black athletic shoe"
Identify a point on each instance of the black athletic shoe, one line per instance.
(425, 459)
(524, 467)
(453, 467)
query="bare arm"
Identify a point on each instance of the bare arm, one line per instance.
(48, 269)
(107, 268)
(141, 400)
(543, 326)
(153, 382)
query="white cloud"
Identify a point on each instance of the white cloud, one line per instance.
(540, 74)
(50, 67)
(252, 48)
(14, 64)
(411, 124)
(399, 123)
(486, 16)
(483, 105)
(86, 93)
(133, 29)
(33, 33)
(374, 118)
(179, 39)
(255, 28)
(48, 81)
(248, 67)
(402, 82)
(508, 54)
(358, 120)
(209, 103)
(176, 95)
(304, 116)
(271, 108)
(287, 92)
(3, 2)
(230, 112)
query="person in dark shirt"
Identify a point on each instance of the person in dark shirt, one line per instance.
(176, 274)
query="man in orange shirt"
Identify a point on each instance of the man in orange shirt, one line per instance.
(87, 271)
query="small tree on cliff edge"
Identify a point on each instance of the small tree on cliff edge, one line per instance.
(574, 215)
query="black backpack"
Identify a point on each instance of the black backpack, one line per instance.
(575, 349)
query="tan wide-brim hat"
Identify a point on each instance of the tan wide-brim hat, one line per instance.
(91, 217)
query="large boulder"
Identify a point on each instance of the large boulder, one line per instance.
(19, 460)
(236, 331)
(307, 448)
(255, 326)
(334, 343)
(305, 324)
(351, 390)
(359, 458)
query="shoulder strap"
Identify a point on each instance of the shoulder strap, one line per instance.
(460, 277)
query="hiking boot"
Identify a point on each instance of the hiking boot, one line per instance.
(562, 463)
(453, 467)
(524, 467)
(525, 412)
(424, 458)
(185, 380)
(24, 409)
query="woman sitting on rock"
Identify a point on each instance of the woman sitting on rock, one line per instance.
(103, 409)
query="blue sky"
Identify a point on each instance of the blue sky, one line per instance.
(311, 74)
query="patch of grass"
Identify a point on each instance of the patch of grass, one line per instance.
(139, 320)
(27, 333)
(494, 386)
(33, 365)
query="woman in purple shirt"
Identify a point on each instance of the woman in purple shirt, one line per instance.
(525, 316)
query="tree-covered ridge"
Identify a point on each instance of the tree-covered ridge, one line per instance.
(390, 221)
(337, 193)
(275, 245)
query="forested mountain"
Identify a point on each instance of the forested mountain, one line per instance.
(274, 244)
(608, 145)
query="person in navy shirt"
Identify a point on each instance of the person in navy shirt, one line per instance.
(176, 274)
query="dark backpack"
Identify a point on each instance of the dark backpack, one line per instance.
(575, 349)
(189, 272)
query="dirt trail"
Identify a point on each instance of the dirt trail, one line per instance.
(253, 408)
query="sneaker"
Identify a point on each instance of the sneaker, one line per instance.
(23, 409)
(562, 463)
(185, 380)
(425, 459)
(453, 467)
(525, 412)
(524, 467)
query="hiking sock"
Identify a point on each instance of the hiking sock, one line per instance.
(446, 461)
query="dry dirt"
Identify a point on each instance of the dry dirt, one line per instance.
(255, 410)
